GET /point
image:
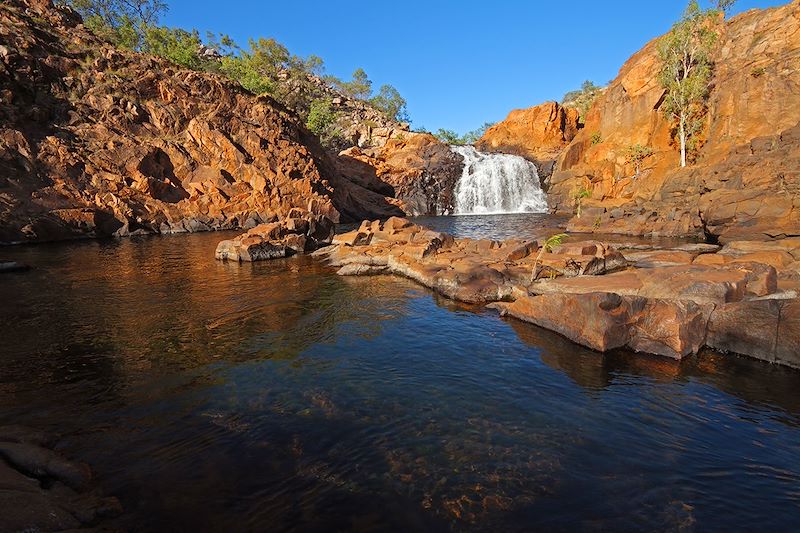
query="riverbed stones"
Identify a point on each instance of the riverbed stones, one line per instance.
(301, 232)
(40, 490)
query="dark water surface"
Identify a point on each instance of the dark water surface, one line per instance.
(277, 396)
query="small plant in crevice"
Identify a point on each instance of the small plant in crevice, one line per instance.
(596, 138)
(578, 196)
(547, 246)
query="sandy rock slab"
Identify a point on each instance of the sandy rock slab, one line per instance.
(40, 490)
(298, 233)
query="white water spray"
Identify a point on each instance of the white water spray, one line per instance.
(497, 183)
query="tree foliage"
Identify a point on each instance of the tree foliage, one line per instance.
(582, 98)
(179, 46)
(685, 54)
(121, 21)
(264, 66)
(471, 137)
(725, 5)
(321, 121)
(390, 103)
(359, 86)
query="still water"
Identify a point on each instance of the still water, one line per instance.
(277, 396)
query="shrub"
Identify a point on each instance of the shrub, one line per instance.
(596, 138)
(636, 154)
(321, 121)
(583, 98)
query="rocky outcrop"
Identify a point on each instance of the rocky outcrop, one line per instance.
(539, 134)
(96, 141)
(416, 169)
(297, 233)
(358, 122)
(744, 183)
(40, 490)
(667, 302)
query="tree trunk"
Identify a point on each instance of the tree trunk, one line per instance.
(682, 134)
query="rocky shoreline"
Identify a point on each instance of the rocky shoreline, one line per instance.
(740, 298)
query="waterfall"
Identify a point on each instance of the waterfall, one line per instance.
(497, 183)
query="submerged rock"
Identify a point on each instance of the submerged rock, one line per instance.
(13, 266)
(40, 490)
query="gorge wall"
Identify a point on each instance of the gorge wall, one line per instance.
(96, 141)
(745, 182)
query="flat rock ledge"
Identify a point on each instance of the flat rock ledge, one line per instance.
(740, 298)
(301, 231)
(40, 490)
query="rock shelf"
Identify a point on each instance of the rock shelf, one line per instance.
(738, 298)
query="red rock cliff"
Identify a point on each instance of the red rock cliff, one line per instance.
(539, 133)
(745, 183)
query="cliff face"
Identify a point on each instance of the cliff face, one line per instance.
(97, 141)
(539, 133)
(745, 182)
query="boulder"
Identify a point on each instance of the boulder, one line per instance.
(603, 321)
(597, 320)
(302, 232)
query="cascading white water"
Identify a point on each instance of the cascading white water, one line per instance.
(497, 183)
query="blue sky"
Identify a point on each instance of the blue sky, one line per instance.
(458, 64)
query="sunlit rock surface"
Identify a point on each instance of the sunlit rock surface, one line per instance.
(664, 302)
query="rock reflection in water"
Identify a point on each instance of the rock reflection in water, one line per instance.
(214, 396)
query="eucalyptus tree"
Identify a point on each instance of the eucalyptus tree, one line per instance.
(686, 68)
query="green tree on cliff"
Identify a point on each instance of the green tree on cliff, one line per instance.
(121, 21)
(636, 154)
(321, 121)
(685, 54)
(390, 103)
(725, 5)
(583, 98)
(359, 86)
